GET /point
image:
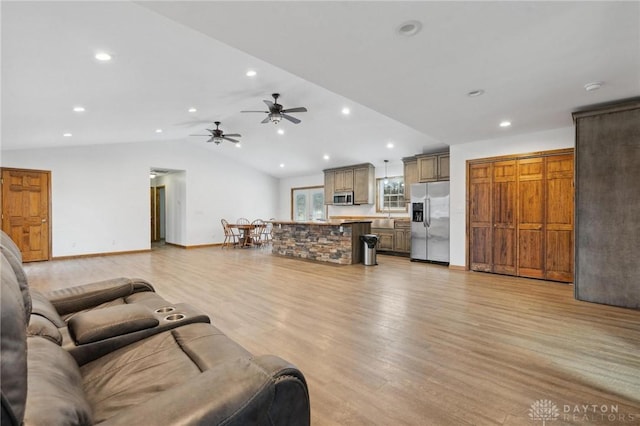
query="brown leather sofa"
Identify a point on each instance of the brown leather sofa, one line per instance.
(116, 353)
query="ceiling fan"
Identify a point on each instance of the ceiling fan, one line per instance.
(216, 135)
(277, 113)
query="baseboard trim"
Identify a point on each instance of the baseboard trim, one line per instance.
(194, 246)
(457, 267)
(112, 253)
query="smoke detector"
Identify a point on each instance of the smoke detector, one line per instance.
(595, 85)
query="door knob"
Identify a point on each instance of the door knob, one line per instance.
(44, 220)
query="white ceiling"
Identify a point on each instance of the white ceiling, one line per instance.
(532, 59)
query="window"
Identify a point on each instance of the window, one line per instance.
(308, 203)
(390, 195)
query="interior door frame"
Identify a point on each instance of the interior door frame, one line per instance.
(157, 214)
(49, 209)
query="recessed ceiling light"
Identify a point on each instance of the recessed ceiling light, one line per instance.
(409, 28)
(192, 110)
(595, 85)
(346, 111)
(281, 131)
(103, 56)
(67, 135)
(78, 109)
(152, 176)
(390, 145)
(251, 73)
(238, 145)
(505, 123)
(474, 93)
(326, 156)
(281, 165)
(158, 130)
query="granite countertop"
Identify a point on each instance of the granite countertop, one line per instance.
(318, 222)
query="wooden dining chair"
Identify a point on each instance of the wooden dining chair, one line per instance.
(256, 233)
(243, 221)
(266, 233)
(230, 237)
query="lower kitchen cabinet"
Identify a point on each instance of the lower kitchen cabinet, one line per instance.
(396, 239)
(385, 238)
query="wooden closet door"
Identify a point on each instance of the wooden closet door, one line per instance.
(504, 217)
(480, 226)
(531, 217)
(559, 218)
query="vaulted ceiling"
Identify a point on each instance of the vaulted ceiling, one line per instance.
(531, 60)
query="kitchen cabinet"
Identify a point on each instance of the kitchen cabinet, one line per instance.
(359, 179)
(433, 167)
(385, 238)
(520, 216)
(329, 185)
(343, 180)
(395, 239)
(410, 176)
(402, 236)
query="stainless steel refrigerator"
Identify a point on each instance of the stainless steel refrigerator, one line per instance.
(430, 221)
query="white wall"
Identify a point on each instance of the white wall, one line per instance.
(100, 194)
(532, 142)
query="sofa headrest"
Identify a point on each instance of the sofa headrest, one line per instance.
(11, 251)
(13, 346)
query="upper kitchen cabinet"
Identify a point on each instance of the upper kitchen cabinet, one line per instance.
(343, 180)
(410, 176)
(433, 167)
(359, 179)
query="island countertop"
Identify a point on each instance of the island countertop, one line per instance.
(332, 241)
(332, 222)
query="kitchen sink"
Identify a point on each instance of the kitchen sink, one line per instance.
(382, 223)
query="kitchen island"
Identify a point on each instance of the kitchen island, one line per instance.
(323, 241)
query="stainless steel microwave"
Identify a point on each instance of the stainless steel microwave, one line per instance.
(343, 199)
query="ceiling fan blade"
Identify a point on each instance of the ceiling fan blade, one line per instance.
(233, 135)
(211, 140)
(298, 109)
(229, 139)
(266, 120)
(269, 103)
(264, 112)
(201, 135)
(290, 118)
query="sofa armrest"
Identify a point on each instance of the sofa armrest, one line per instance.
(264, 390)
(101, 324)
(73, 299)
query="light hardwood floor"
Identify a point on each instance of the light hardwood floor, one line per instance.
(402, 343)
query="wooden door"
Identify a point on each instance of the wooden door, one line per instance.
(480, 226)
(155, 214)
(559, 218)
(26, 211)
(531, 202)
(504, 217)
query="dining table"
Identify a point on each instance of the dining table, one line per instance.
(245, 230)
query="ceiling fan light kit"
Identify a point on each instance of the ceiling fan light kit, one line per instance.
(276, 112)
(217, 136)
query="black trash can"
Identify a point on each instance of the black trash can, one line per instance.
(369, 247)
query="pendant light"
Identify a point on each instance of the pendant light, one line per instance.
(386, 179)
